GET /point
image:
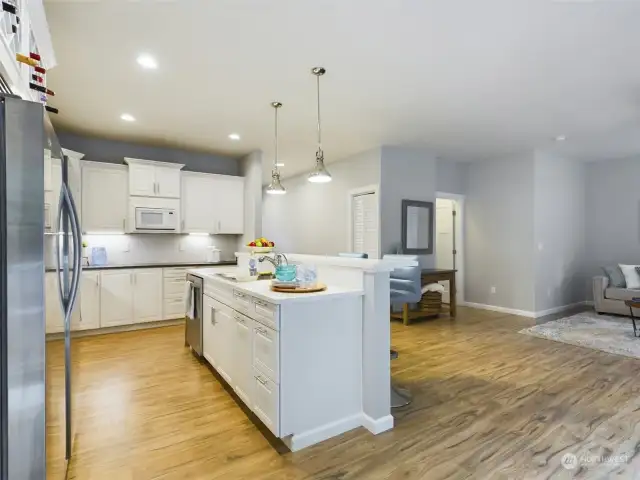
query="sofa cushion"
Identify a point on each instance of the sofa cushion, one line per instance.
(616, 278)
(621, 293)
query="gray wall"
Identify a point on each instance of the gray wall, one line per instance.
(499, 233)
(312, 218)
(559, 247)
(251, 170)
(451, 176)
(612, 214)
(113, 151)
(405, 173)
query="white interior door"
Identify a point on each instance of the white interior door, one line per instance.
(364, 224)
(445, 239)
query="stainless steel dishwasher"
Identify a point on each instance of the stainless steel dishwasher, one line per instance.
(193, 327)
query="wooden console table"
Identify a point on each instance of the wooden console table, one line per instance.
(435, 275)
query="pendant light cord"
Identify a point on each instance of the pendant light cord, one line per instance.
(319, 127)
(275, 160)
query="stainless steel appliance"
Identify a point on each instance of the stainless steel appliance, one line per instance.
(193, 328)
(36, 428)
(148, 218)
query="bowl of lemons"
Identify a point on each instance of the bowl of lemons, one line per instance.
(261, 245)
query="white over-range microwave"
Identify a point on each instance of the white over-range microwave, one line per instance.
(156, 219)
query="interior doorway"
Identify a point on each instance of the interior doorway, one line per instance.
(450, 241)
(364, 234)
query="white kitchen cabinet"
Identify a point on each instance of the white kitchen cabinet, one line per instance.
(54, 321)
(104, 197)
(266, 352)
(242, 373)
(89, 302)
(217, 341)
(148, 178)
(212, 203)
(147, 294)
(116, 298)
(229, 205)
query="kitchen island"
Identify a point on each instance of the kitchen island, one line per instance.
(310, 366)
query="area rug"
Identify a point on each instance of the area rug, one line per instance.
(588, 329)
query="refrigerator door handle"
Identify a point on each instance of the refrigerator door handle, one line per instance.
(61, 205)
(76, 234)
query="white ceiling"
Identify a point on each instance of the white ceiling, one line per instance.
(469, 79)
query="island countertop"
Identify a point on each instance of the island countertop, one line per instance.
(262, 288)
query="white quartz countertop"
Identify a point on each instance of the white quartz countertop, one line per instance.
(262, 288)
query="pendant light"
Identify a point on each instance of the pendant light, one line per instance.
(275, 187)
(320, 173)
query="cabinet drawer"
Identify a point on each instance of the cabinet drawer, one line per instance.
(266, 401)
(174, 286)
(219, 291)
(242, 302)
(266, 313)
(175, 273)
(266, 351)
(173, 308)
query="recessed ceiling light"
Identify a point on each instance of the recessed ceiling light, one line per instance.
(279, 164)
(560, 138)
(127, 117)
(234, 136)
(147, 61)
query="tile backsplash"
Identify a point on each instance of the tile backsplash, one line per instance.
(153, 248)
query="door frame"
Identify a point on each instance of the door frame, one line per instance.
(350, 196)
(459, 200)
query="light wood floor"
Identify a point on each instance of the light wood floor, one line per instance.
(488, 403)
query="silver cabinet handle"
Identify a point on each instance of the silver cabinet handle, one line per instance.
(219, 225)
(182, 225)
(261, 303)
(262, 330)
(240, 319)
(124, 224)
(158, 183)
(213, 316)
(238, 294)
(261, 380)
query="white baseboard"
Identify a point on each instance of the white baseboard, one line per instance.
(311, 437)
(495, 308)
(525, 313)
(378, 425)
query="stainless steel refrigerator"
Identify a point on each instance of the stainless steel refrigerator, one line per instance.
(36, 427)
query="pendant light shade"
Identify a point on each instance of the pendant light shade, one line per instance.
(320, 173)
(275, 187)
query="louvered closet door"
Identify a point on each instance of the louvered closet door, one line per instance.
(365, 224)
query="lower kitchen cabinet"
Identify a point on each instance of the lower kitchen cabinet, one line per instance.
(147, 295)
(243, 377)
(116, 295)
(266, 400)
(89, 317)
(217, 340)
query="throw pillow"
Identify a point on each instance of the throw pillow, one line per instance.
(631, 275)
(616, 278)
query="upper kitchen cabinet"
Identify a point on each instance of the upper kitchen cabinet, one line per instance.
(104, 197)
(148, 178)
(212, 203)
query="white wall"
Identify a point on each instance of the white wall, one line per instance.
(405, 174)
(559, 216)
(312, 218)
(612, 215)
(499, 229)
(451, 176)
(153, 248)
(251, 170)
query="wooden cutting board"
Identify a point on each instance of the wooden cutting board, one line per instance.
(320, 287)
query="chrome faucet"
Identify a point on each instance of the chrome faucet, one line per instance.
(276, 261)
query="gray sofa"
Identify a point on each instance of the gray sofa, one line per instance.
(611, 300)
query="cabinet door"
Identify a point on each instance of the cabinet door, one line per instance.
(89, 302)
(116, 298)
(197, 216)
(142, 180)
(167, 182)
(266, 351)
(208, 339)
(266, 401)
(104, 199)
(242, 354)
(147, 295)
(229, 203)
(53, 310)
